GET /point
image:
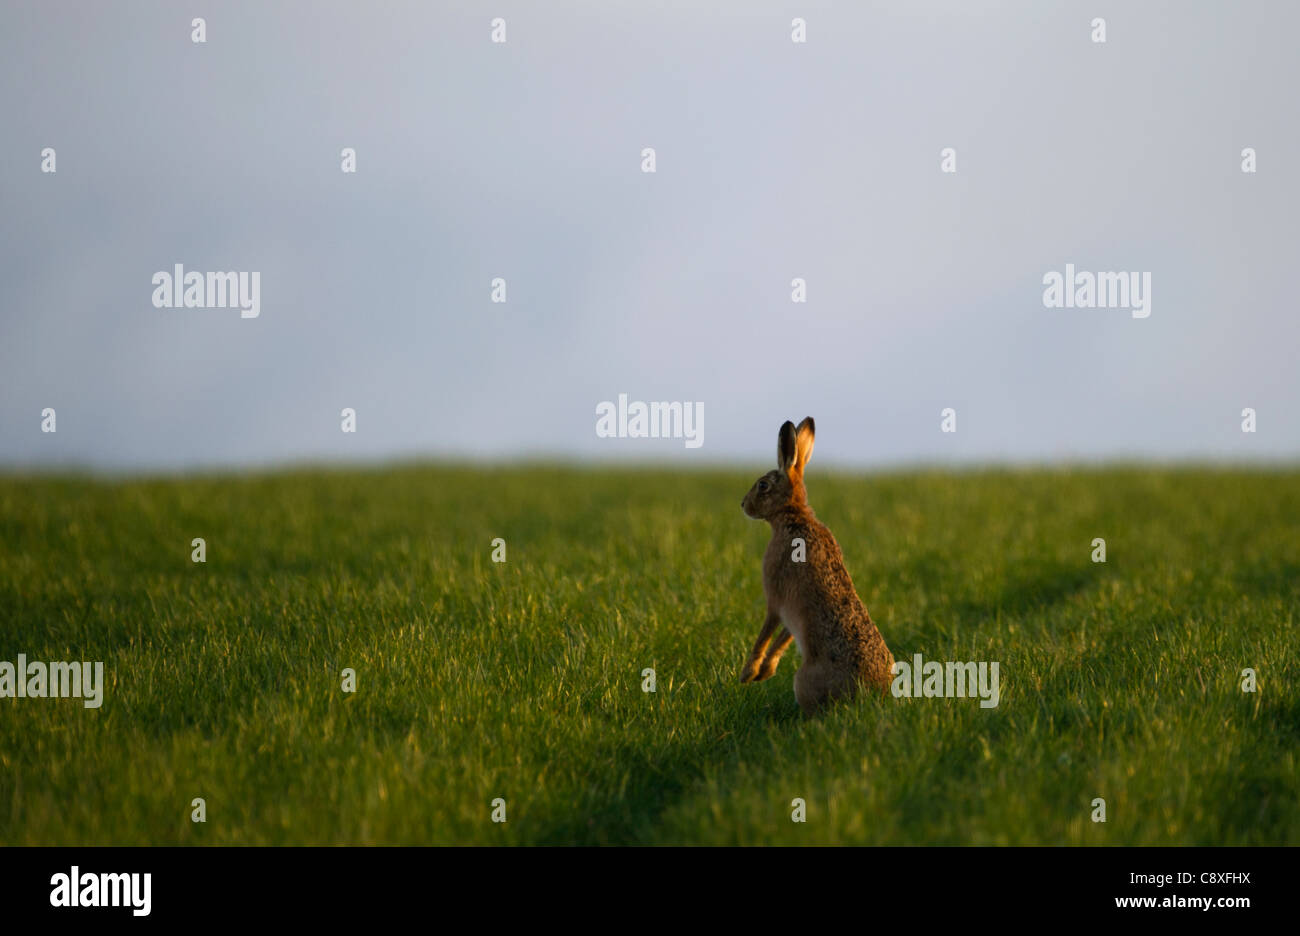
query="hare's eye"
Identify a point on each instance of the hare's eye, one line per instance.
(762, 485)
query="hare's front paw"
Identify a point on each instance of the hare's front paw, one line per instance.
(767, 670)
(749, 672)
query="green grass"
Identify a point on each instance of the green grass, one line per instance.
(523, 680)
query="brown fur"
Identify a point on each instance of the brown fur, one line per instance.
(840, 645)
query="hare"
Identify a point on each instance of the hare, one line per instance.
(809, 590)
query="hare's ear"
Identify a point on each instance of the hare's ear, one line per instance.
(803, 443)
(785, 450)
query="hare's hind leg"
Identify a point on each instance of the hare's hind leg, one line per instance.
(810, 687)
(818, 684)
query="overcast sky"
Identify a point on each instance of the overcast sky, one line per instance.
(523, 160)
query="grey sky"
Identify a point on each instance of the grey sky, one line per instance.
(522, 160)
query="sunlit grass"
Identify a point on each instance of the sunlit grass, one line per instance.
(522, 680)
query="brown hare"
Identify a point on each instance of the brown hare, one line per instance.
(809, 590)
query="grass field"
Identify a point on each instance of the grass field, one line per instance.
(522, 680)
